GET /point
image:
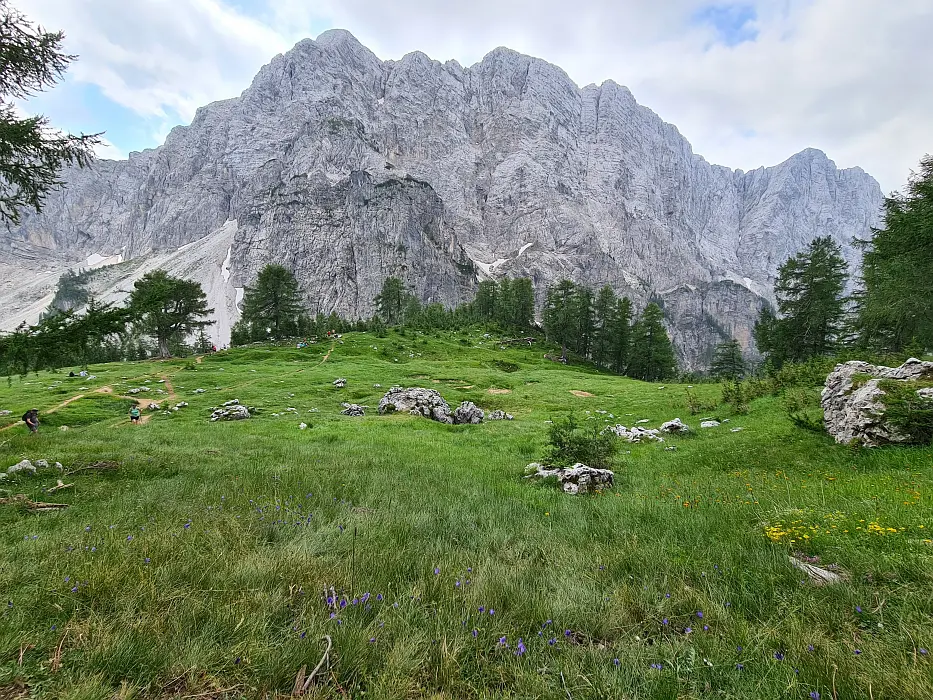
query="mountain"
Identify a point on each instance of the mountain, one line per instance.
(348, 169)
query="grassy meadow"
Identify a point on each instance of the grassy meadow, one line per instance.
(197, 559)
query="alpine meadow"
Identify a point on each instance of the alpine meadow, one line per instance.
(402, 379)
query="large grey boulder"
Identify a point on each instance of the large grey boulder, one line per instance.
(468, 413)
(853, 401)
(675, 427)
(235, 412)
(24, 467)
(352, 409)
(416, 401)
(577, 479)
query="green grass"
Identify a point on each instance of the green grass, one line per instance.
(201, 563)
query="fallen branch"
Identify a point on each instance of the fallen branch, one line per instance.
(22, 500)
(95, 466)
(320, 663)
(58, 487)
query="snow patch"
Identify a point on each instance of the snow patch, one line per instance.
(524, 248)
(96, 260)
(238, 298)
(225, 265)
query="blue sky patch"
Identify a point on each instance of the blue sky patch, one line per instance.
(734, 24)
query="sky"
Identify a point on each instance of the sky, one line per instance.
(748, 83)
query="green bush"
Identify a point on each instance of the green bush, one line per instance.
(569, 443)
(906, 411)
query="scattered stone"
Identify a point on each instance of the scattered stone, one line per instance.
(500, 415)
(377, 386)
(340, 383)
(577, 479)
(232, 402)
(199, 391)
(352, 409)
(818, 576)
(235, 412)
(854, 409)
(154, 407)
(675, 427)
(6, 413)
(416, 401)
(671, 448)
(59, 467)
(634, 434)
(41, 464)
(640, 422)
(468, 413)
(736, 430)
(181, 404)
(24, 467)
(63, 428)
(302, 426)
(710, 424)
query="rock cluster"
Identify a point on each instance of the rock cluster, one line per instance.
(853, 401)
(577, 479)
(416, 401)
(499, 415)
(710, 424)
(352, 409)
(634, 434)
(340, 383)
(233, 412)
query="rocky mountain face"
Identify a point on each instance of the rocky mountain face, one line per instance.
(348, 169)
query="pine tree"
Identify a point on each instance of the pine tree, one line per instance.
(728, 362)
(168, 308)
(652, 355)
(390, 301)
(523, 312)
(274, 302)
(894, 310)
(560, 315)
(32, 153)
(621, 335)
(505, 303)
(811, 306)
(486, 301)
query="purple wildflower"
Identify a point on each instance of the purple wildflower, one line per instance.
(923, 652)
(814, 695)
(779, 656)
(521, 647)
(567, 633)
(740, 667)
(688, 630)
(379, 597)
(657, 667)
(437, 571)
(552, 641)
(187, 525)
(502, 642)
(706, 628)
(491, 611)
(372, 640)
(475, 633)
(665, 621)
(858, 608)
(616, 662)
(700, 614)
(482, 609)
(809, 647)
(129, 537)
(858, 651)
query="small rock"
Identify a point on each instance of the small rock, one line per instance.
(232, 402)
(634, 434)
(199, 391)
(340, 383)
(577, 479)
(181, 404)
(63, 428)
(642, 421)
(41, 464)
(6, 413)
(670, 448)
(235, 412)
(736, 430)
(154, 407)
(709, 424)
(302, 426)
(377, 386)
(352, 409)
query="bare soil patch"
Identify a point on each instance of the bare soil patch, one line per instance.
(498, 391)
(581, 394)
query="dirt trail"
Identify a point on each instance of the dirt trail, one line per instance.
(327, 356)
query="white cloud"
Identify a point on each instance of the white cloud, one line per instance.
(109, 151)
(850, 77)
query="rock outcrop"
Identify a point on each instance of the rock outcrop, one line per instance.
(348, 169)
(578, 479)
(855, 401)
(468, 413)
(234, 412)
(634, 434)
(675, 427)
(352, 409)
(416, 401)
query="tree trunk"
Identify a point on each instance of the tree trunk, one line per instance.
(164, 352)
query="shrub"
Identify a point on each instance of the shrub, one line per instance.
(798, 406)
(569, 443)
(906, 411)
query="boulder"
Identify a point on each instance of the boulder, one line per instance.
(853, 401)
(675, 427)
(416, 401)
(634, 434)
(500, 415)
(232, 402)
(352, 409)
(24, 467)
(153, 407)
(42, 464)
(710, 424)
(468, 413)
(6, 413)
(340, 383)
(232, 413)
(573, 480)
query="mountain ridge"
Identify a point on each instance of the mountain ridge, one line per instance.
(349, 168)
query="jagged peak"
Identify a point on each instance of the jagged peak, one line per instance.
(337, 37)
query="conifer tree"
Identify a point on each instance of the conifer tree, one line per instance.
(168, 308)
(728, 362)
(604, 326)
(32, 153)
(894, 309)
(390, 302)
(652, 355)
(586, 323)
(273, 303)
(523, 304)
(486, 301)
(621, 335)
(560, 315)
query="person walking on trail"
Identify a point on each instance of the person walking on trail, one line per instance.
(134, 415)
(31, 419)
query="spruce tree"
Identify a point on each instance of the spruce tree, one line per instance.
(894, 309)
(523, 304)
(604, 326)
(586, 322)
(32, 153)
(560, 315)
(728, 362)
(621, 335)
(486, 301)
(273, 303)
(652, 355)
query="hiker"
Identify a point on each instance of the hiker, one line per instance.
(134, 415)
(31, 419)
